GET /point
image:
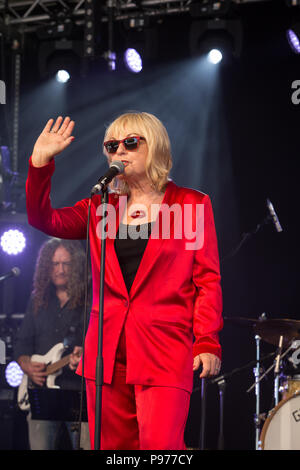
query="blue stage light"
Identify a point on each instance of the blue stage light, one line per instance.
(13, 242)
(294, 40)
(13, 374)
(133, 60)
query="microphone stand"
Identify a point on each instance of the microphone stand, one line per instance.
(246, 236)
(99, 362)
(272, 366)
(222, 386)
(276, 372)
(221, 382)
(203, 414)
(256, 371)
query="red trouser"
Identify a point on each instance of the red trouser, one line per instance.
(136, 416)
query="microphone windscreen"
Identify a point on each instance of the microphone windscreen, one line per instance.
(119, 165)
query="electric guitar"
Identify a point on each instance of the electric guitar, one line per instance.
(54, 362)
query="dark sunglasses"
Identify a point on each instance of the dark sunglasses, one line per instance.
(130, 143)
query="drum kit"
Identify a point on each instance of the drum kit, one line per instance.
(281, 429)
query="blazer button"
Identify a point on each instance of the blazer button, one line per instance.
(126, 303)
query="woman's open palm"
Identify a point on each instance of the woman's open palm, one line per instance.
(54, 138)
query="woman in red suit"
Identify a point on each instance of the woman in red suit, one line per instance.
(162, 294)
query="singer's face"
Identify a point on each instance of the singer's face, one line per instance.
(61, 262)
(134, 160)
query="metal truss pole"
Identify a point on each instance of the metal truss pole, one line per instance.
(16, 46)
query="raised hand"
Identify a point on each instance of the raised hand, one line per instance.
(54, 138)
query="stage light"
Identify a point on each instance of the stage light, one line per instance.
(13, 242)
(293, 36)
(111, 58)
(62, 76)
(225, 36)
(60, 55)
(13, 374)
(215, 56)
(133, 60)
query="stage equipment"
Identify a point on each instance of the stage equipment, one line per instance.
(7, 418)
(221, 381)
(210, 8)
(215, 56)
(256, 371)
(270, 330)
(290, 385)
(32, 14)
(16, 59)
(284, 333)
(13, 272)
(141, 44)
(293, 37)
(63, 76)
(110, 54)
(133, 60)
(12, 185)
(13, 374)
(271, 217)
(63, 54)
(203, 414)
(12, 41)
(115, 168)
(92, 21)
(281, 429)
(55, 362)
(99, 361)
(13, 242)
(9, 326)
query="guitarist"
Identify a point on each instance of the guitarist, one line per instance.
(54, 315)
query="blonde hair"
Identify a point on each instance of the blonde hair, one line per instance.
(159, 159)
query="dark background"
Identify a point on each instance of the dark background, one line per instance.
(234, 133)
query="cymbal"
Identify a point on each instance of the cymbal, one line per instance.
(271, 330)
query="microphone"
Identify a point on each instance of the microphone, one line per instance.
(115, 169)
(273, 216)
(14, 272)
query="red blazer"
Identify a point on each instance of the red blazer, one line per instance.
(173, 310)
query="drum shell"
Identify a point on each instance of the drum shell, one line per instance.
(290, 386)
(281, 430)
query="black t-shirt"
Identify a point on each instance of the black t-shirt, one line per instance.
(130, 244)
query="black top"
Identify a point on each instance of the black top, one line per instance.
(130, 244)
(41, 331)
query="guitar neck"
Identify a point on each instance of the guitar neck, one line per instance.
(58, 365)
